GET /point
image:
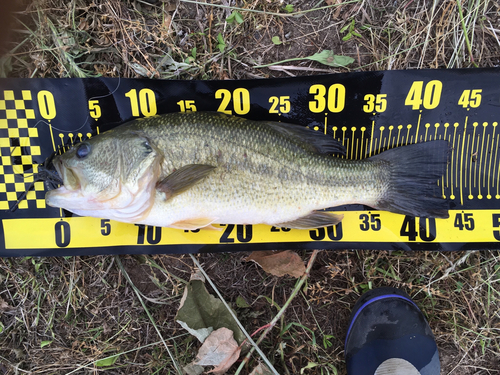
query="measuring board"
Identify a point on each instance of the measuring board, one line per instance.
(369, 112)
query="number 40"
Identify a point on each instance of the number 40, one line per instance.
(429, 95)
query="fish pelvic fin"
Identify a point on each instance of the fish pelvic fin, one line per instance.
(315, 219)
(183, 178)
(412, 179)
(196, 223)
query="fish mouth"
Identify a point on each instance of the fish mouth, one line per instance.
(69, 192)
(69, 178)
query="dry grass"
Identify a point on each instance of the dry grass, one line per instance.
(85, 310)
(54, 38)
(62, 315)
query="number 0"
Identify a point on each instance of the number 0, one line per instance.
(46, 104)
(336, 98)
(63, 233)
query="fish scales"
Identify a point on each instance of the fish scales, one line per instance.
(237, 171)
(268, 177)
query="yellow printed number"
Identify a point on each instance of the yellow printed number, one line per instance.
(470, 98)
(282, 101)
(46, 104)
(240, 98)
(187, 105)
(428, 96)
(334, 99)
(144, 103)
(375, 103)
(94, 109)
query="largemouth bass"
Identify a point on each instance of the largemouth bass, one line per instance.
(192, 170)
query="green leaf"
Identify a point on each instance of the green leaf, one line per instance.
(109, 361)
(276, 40)
(287, 327)
(309, 365)
(240, 302)
(235, 16)
(271, 302)
(201, 313)
(327, 57)
(171, 65)
(139, 69)
(193, 52)
(289, 8)
(220, 39)
(230, 19)
(45, 343)
(326, 341)
(222, 44)
(334, 369)
(344, 28)
(238, 17)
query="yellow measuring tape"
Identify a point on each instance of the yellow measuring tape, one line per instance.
(357, 227)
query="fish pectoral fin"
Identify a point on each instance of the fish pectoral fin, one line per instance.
(183, 178)
(315, 219)
(196, 223)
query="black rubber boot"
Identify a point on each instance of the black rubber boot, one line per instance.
(388, 335)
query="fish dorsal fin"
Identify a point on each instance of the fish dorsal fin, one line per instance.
(196, 223)
(315, 219)
(183, 178)
(309, 139)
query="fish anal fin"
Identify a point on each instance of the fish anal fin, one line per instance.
(195, 223)
(183, 178)
(315, 219)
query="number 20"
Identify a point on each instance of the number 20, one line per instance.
(241, 101)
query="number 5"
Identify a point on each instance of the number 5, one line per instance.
(94, 109)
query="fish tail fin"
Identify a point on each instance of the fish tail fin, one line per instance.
(414, 171)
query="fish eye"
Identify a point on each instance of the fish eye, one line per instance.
(147, 146)
(83, 150)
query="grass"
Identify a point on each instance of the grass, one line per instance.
(90, 311)
(90, 314)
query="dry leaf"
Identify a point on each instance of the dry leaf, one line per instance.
(339, 8)
(261, 369)
(200, 313)
(165, 27)
(220, 349)
(192, 369)
(4, 306)
(279, 263)
(170, 6)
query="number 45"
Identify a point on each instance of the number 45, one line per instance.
(470, 98)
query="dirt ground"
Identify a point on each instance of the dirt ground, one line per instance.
(61, 315)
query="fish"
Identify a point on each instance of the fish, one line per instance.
(192, 170)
